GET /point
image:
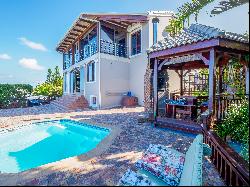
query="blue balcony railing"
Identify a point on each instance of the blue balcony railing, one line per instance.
(113, 49)
(89, 50)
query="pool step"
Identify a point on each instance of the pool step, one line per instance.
(71, 102)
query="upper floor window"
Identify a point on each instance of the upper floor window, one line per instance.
(107, 34)
(155, 22)
(136, 43)
(91, 72)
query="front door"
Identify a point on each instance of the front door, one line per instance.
(76, 81)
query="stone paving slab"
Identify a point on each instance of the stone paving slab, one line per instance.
(108, 167)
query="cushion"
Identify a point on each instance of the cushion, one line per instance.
(163, 162)
(131, 178)
(192, 171)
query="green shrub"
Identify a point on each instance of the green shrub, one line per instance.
(52, 87)
(14, 95)
(236, 125)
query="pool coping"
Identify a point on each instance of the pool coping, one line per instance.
(64, 164)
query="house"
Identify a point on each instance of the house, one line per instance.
(105, 55)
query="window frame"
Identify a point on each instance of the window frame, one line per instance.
(137, 30)
(93, 72)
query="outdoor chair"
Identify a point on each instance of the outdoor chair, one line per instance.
(163, 166)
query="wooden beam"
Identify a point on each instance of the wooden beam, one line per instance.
(162, 64)
(188, 71)
(74, 34)
(87, 20)
(234, 45)
(212, 83)
(135, 18)
(178, 73)
(73, 54)
(116, 24)
(189, 48)
(181, 82)
(155, 86)
(82, 26)
(206, 61)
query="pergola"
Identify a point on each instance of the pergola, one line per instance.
(198, 46)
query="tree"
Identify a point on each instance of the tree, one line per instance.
(194, 7)
(49, 75)
(52, 87)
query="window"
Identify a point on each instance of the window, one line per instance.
(136, 43)
(93, 101)
(91, 72)
(107, 34)
(155, 25)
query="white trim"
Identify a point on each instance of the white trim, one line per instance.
(83, 62)
(99, 60)
(94, 81)
(133, 56)
(91, 101)
(116, 58)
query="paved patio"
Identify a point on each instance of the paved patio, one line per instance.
(106, 168)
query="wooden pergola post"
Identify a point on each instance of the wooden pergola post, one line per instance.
(181, 82)
(247, 80)
(212, 82)
(155, 86)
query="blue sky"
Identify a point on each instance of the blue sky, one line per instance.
(31, 29)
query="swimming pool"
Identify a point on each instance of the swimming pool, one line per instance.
(45, 142)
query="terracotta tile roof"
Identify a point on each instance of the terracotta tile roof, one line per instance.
(196, 33)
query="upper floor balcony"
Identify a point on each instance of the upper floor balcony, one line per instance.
(112, 42)
(89, 50)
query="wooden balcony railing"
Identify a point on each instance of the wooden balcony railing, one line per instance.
(231, 166)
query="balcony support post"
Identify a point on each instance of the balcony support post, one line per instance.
(98, 36)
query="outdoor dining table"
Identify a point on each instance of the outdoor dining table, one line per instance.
(188, 107)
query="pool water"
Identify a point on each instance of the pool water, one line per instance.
(45, 142)
(238, 147)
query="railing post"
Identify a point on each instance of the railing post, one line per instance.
(115, 48)
(155, 86)
(212, 64)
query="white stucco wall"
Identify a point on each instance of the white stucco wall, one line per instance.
(114, 80)
(138, 63)
(173, 82)
(92, 88)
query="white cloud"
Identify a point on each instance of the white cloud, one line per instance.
(5, 57)
(33, 45)
(6, 76)
(30, 63)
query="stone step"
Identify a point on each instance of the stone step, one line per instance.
(71, 102)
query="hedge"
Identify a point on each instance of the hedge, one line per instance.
(14, 95)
